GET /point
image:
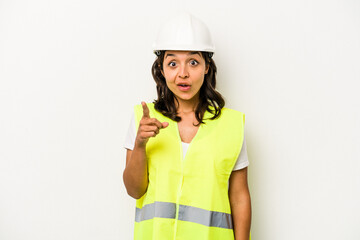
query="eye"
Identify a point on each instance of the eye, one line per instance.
(172, 64)
(194, 62)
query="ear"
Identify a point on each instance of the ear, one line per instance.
(162, 72)
(207, 68)
(160, 68)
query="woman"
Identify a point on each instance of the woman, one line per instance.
(186, 165)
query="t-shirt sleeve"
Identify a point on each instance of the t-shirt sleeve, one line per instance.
(129, 142)
(242, 160)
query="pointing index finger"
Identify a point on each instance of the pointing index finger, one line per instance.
(146, 113)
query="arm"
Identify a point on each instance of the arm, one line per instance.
(135, 175)
(240, 204)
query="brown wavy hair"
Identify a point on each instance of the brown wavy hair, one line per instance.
(209, 97)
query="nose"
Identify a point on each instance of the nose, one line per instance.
(183, 71)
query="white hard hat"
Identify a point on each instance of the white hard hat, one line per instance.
(184, 32)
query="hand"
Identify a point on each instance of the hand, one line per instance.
(148, 127)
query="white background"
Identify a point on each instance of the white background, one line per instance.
(72, 70)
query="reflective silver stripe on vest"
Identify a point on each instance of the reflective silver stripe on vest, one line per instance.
(156, 209)
(186, 213)
(205, 217)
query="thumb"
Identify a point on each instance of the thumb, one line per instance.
(164, 124)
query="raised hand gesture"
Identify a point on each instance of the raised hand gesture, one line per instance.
(148, 127)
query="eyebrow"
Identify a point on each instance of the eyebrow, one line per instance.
(190, 53)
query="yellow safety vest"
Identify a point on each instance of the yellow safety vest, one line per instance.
(187, 199)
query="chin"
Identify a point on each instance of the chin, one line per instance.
(185, 98)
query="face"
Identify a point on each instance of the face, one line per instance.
(184, 73)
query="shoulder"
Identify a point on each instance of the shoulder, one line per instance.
(228, 112)
(232, 117)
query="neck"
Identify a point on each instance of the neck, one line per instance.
(186, 106)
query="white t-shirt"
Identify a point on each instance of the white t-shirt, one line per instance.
(129, 143)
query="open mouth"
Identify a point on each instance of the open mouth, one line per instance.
(184, 87)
